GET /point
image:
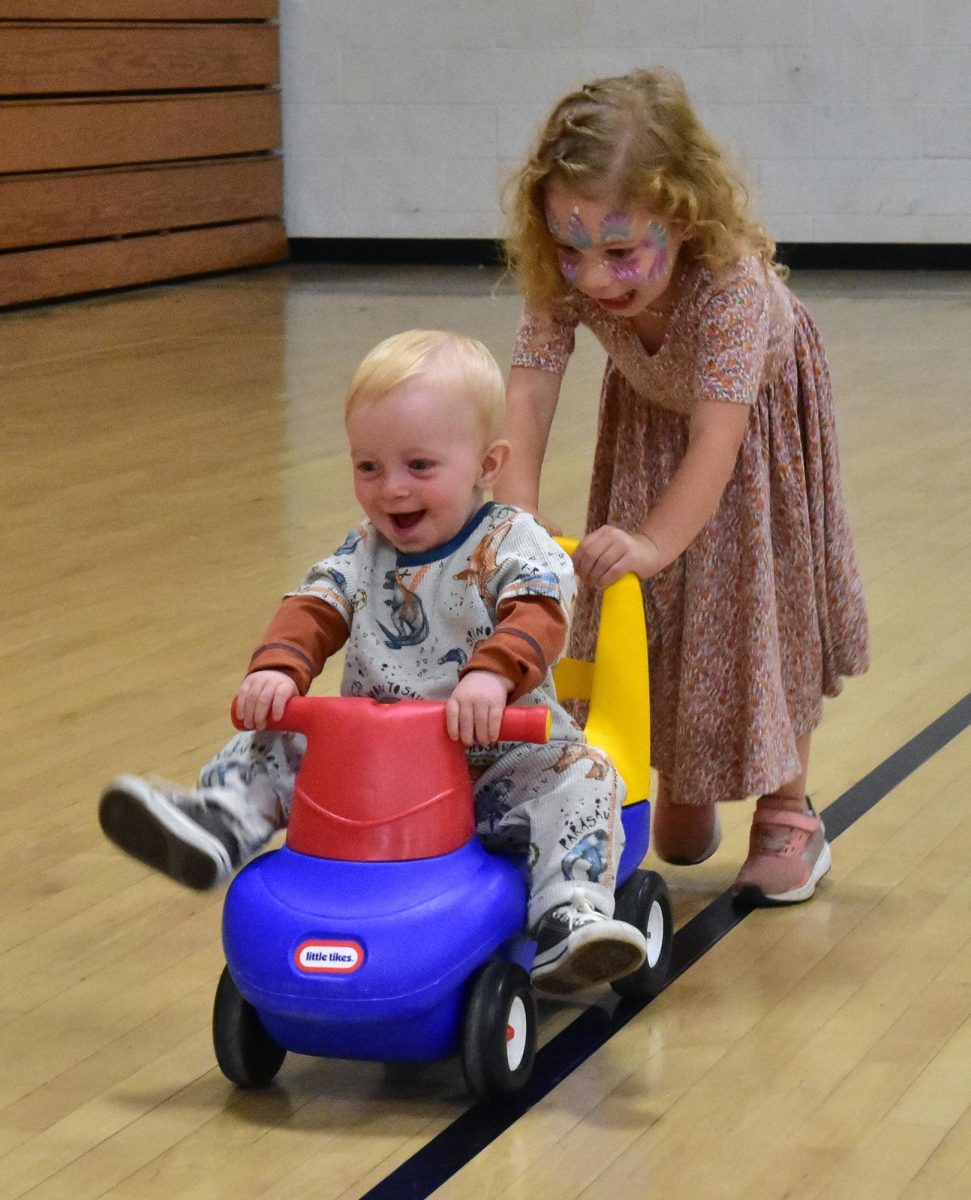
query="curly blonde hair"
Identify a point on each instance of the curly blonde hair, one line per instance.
(631, 140)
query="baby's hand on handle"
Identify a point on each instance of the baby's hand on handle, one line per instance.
(608, 553)
(474, 709)
(261, 695)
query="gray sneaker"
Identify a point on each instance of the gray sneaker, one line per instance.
(193, 836)
(577, 947)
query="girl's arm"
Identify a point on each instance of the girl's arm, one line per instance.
(715, 434)
(531, 401)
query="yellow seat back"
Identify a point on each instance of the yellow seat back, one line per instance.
(615, 684)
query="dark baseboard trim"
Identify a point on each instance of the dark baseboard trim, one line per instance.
(465, 252)
(874, 256)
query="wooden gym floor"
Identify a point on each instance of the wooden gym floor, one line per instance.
(172, 460)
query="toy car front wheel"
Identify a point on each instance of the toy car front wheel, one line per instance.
(499, 1031)
(244, 1050)
(643, 901)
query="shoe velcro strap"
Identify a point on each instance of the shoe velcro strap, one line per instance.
(794, 820)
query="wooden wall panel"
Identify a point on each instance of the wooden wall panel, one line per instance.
(59, 135)
(69, 206)
(138, 10)
(97, 266)
(82, 59)
(139, 140)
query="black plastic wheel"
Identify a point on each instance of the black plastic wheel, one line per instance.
(643, 901)
(499, 1031)
(244, 1050)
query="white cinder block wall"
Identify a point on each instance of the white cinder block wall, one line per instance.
(402, 117)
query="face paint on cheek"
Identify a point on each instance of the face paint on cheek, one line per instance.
(627, 272)
(569, 267)
(656, 239)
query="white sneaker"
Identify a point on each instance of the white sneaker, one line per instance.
(193, 836)
(577, 947)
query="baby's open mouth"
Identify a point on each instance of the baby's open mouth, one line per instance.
(406, 520)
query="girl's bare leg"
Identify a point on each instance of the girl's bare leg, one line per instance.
(683, 834)
(792, 795)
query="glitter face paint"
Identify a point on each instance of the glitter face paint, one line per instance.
(616, 227)
(569, 265)
(576, 232)
(656, 239)
(617, 256)
(575, 235)
(630, 273)
(631, 270)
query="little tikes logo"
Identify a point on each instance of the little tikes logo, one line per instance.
(329, 958)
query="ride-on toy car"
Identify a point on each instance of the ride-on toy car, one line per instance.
(383, 929)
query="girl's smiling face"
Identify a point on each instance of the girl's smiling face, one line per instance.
(622, 258)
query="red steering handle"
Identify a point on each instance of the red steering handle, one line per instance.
(385, 781)
(304, 714)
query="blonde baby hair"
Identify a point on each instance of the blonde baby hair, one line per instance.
(631, 140)
(418, 352)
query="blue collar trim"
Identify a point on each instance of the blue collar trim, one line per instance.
(446, 549)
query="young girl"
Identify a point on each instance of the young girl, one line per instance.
(716, 473)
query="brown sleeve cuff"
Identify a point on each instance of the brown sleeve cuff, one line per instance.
(303, 634)
(530, 635)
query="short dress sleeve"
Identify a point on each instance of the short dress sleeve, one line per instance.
(734, 338)
(545, 340)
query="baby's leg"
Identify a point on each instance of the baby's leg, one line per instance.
(258, 769)
(200, 836)
(561, 803)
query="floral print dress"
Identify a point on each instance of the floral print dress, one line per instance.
(763, 613)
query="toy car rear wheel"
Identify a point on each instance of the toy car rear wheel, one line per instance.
(246, 1053)
(499, 1031)
(643, 901)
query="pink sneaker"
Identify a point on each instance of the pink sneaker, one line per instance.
(788, 855)
(685, 834)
